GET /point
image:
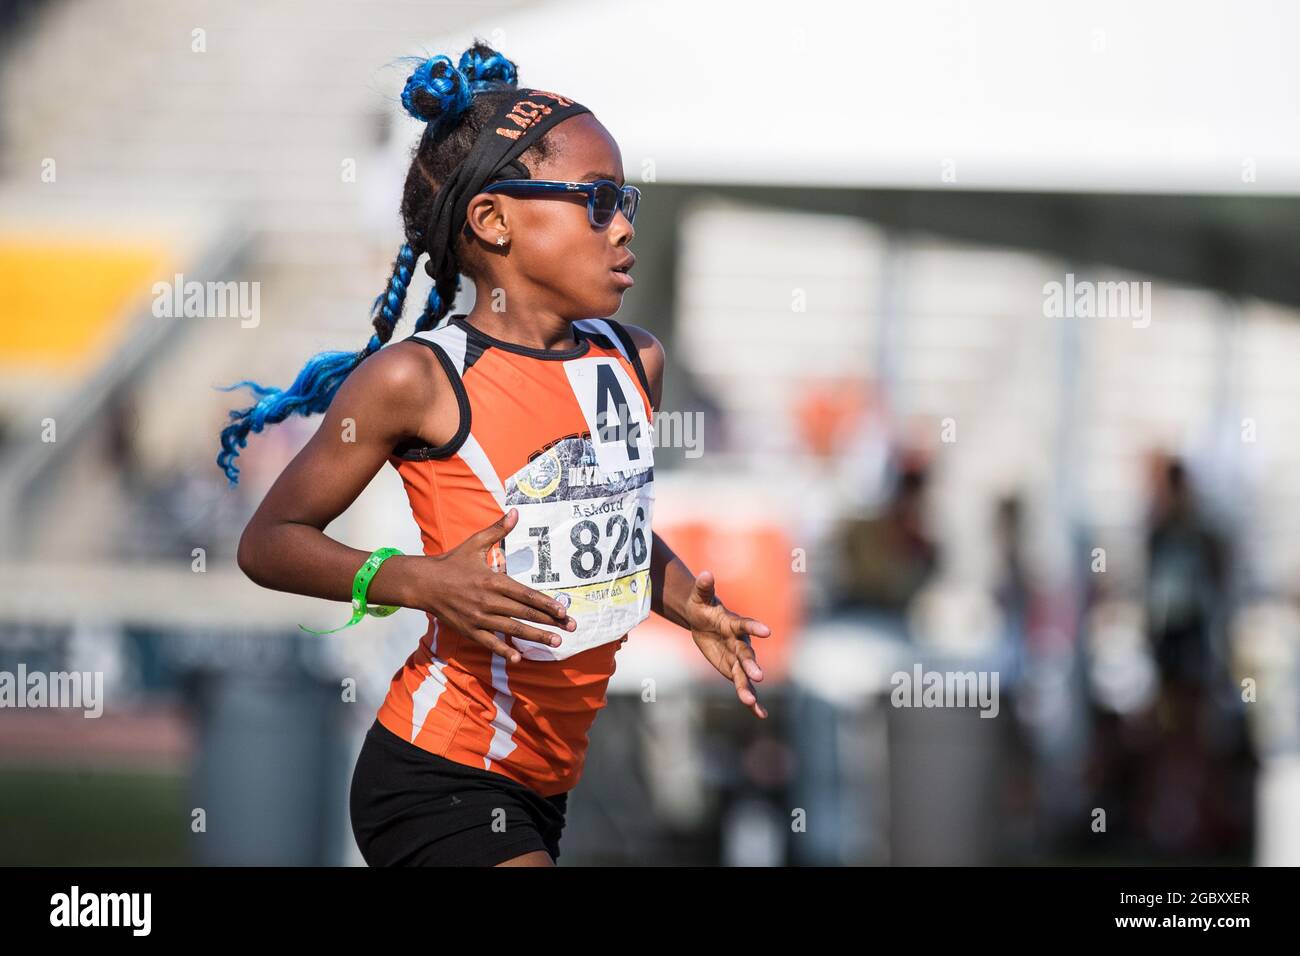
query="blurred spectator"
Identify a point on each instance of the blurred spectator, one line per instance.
(826, 411)
(1012, 586)
(1196, 772)
(885, 559)
(120, 437)
(1186, 579)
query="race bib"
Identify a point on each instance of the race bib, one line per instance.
(585, 509)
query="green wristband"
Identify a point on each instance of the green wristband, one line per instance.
(359, 586)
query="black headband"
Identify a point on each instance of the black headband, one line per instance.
(519, 121)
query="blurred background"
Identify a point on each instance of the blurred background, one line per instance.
(982, 324)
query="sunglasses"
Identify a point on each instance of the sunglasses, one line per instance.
(605, 198)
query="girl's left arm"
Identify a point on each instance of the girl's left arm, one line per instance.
(688, 600)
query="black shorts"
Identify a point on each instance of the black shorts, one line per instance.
(411, 807)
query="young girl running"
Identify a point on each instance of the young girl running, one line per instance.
(522, 433)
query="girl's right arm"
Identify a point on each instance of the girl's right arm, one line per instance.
(285, 548)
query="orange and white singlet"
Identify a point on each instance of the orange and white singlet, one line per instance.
(564, 436)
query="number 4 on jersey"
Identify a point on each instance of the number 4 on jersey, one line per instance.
(620, 430)
(612, 412)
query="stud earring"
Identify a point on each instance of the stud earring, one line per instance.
(501, 240)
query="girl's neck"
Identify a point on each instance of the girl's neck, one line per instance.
(531, 329)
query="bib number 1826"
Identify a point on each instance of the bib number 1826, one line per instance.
(619, 548)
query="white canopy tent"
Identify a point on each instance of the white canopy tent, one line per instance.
(1106, 96)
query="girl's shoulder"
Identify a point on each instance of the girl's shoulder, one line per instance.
(440, 418)
(406, 384)
(645, 340)
(404, 371)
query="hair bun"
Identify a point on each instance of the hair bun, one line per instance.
(436, 89)
(439, 90)
(486, 68)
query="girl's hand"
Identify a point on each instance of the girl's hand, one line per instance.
(723, 637)
(462, 590)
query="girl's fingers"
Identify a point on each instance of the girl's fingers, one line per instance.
(483, 539)
(743, 627)
(748, 661)
(509, 627)
(752, 670)
(507, 607)
(745, 692)
(525, 595)
(497, 646)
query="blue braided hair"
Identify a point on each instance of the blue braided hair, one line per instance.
(435, 92)
(448, 98)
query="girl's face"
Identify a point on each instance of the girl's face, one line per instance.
(554, 253)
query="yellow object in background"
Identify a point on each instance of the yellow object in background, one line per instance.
(64, 303)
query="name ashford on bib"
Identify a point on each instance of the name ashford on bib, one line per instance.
(583, 537)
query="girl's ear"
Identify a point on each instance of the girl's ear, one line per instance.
(485, 217)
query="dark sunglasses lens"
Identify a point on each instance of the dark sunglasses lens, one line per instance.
(630, 201)
(605, 203)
